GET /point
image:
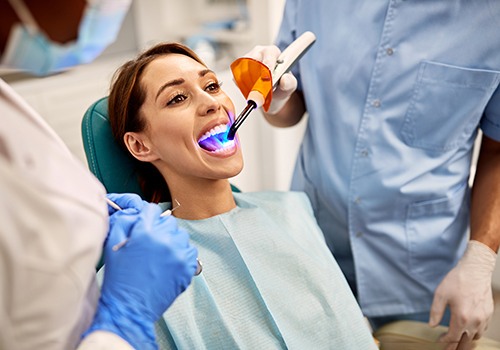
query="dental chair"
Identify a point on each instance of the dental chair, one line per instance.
(105, 158)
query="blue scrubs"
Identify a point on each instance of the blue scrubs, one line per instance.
(396, 92)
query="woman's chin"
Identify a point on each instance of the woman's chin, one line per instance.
(227, 162)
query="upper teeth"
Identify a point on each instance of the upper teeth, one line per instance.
(214, 131)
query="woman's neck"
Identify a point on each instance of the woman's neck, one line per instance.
(202, 199)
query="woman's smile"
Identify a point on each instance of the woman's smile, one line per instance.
(215, 140)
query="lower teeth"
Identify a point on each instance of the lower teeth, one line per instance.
(224, 148)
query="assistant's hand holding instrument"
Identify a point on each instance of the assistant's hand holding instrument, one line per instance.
(256, 81)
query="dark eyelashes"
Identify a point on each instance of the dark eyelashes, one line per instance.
(216, 84)
(176, 99)
(212, 87)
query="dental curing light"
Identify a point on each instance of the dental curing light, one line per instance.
(257, 83)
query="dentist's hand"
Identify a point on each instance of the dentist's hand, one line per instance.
(143, 277)
(287, 84)
(468, 292)
(125, 201)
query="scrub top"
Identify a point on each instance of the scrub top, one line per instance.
(53, 223)
(395, 92)
(268, 282)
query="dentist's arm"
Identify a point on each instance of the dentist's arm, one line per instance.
(142, 278)
(467, 287)
(287, 106)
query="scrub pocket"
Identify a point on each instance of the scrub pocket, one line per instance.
(436, 230)
(446, 105)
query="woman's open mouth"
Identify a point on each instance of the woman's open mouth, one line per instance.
(215, 140)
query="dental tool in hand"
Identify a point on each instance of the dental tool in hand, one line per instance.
(255, 81)
(167, 212)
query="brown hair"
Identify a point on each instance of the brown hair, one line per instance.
(125, 100)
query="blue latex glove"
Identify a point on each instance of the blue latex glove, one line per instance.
(130, 202)
(143, 277)
(125, 201)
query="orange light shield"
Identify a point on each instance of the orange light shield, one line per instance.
(252, 75)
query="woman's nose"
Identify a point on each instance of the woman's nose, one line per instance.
(208, 104)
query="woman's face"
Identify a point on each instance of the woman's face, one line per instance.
(185, 112)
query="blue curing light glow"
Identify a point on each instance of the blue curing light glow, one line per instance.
(223, 138)
(216, 142)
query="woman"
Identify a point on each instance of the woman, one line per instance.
(269, 280)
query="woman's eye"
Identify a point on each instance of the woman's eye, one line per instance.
(176, 99)
(214, 87)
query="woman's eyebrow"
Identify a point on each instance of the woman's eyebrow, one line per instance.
(175, 82)
(204, 72)
(168, 84)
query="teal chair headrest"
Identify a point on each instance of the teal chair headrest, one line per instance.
(112, 165)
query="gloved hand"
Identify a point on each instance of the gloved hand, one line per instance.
(144, 276)
(468, 292)
(288, 83)
(125, 201)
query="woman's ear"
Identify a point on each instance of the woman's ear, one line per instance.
(139, 147)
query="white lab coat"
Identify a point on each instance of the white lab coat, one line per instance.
(53, 221)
